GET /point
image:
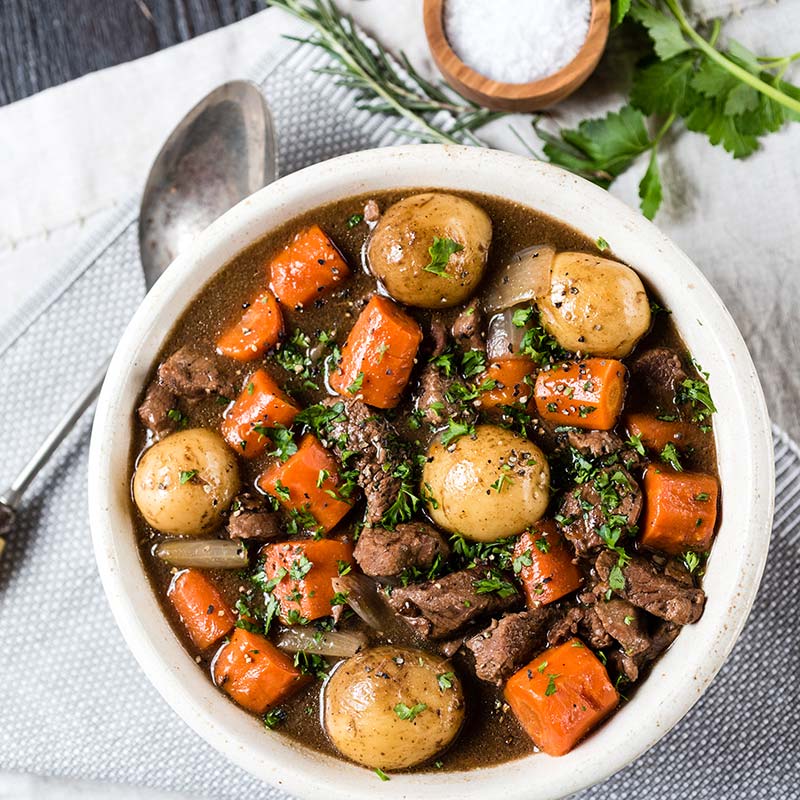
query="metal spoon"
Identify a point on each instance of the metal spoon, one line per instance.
(222, 151)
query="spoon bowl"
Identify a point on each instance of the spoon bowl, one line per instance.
(222, 151)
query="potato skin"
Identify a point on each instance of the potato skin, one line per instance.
(461, 481)
(359, 702)
(397, 252)
(197, 505)
(595, 305)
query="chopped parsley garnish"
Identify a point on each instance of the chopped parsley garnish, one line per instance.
(274, 718)
(440, 252)
(696, 393)
(445, 680)
(671, 456)
(354, 219)
(522, 560)
(343, 567)
(602, 244)
(311, 664)
(495, 584)
(178, 417)
(551, 684)
(340, 598)
(701, 497)
(282, 440)
(455, 430)
(536, 342)
(635, 441)
(381, 774)
(355, 386)
(616, 579)
(409, 712)
(445, 362)
(187, 475)
(691, 560)
(502, 481)
(407, 502)
(473, 362)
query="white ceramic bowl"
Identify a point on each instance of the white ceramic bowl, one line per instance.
(743, 440)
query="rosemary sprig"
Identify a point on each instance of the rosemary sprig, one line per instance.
(383, 86)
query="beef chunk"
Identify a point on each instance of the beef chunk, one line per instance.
(154, 410)
(611, 493)
(373, 438)
(438, 336)
(655, 592)
(190, 373)
(251, 519)
(432, 399)
(468, 327)
(630, 666)
(595, 443)
(509, 643)
(414, 545)
(604, 444)
(580, 621)
(440, 608)
(658, 372)
(625, 623)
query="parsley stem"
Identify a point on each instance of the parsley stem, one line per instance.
(664, 128)
(734, 69)
(331, 42)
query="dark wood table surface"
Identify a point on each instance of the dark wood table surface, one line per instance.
(47, 42)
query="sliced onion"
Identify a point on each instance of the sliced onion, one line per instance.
(208, 553)
(341, 644)
(524, 278)
(364, 597)
(504, 337)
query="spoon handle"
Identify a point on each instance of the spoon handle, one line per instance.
(13, 494)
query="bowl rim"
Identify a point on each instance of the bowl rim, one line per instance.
(529, 95)
(744, 448)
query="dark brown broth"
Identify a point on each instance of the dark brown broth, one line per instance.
(491, 734)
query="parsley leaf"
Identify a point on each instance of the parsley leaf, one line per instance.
(671, 456)
(409, 712)
(440, 252)
(455, 430)
(187, 475)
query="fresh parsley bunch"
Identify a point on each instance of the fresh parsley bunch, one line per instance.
(728, 94)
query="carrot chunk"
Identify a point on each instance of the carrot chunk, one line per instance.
(308, 482)
(560, 696)
(545, 563)
(261, 404)
(510, 386)
(379, 354)
(202, 609)
(301, 572)
(306, 267)
(586, 394)
(680, 510)
(255, 673)
(658, 433)
(259, 329)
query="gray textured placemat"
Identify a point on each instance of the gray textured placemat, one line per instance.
(75, 703)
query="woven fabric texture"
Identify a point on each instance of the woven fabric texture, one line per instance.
(75, 703)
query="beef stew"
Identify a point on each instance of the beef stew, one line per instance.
(437, 449)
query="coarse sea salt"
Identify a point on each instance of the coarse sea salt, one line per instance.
(516, 41)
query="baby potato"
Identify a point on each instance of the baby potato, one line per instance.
(595, 305)
(393, 707)
(487, 486)
(184, 483)
(399, 249)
